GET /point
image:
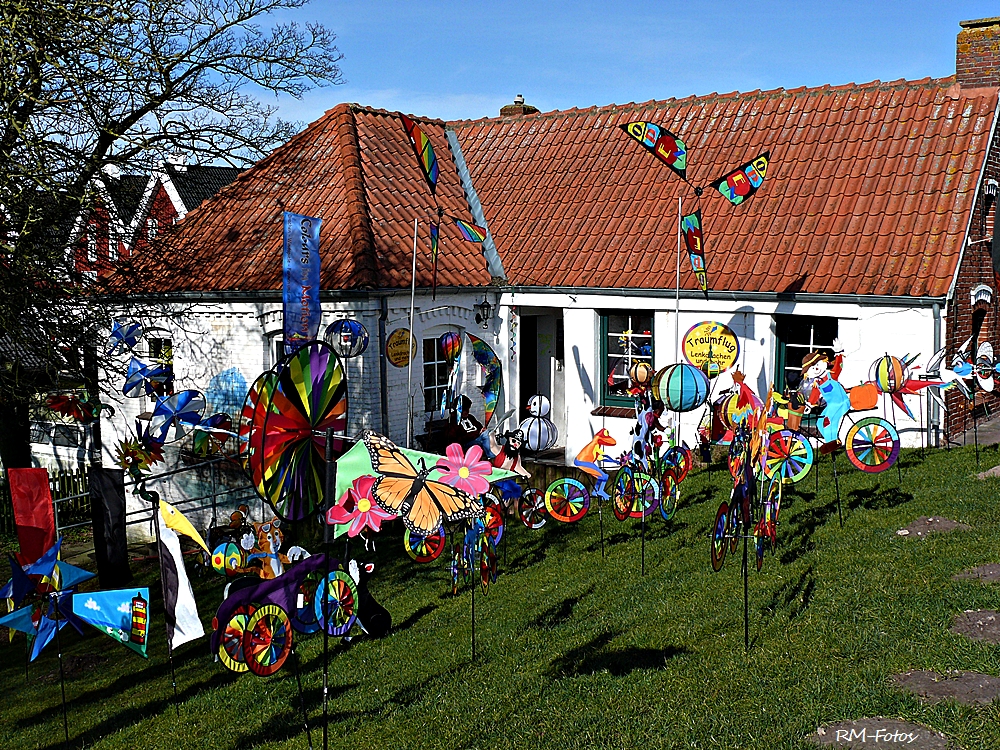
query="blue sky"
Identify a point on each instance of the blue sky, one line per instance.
(465, 59)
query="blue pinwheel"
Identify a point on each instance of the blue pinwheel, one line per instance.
(182, 411)
(124, 336)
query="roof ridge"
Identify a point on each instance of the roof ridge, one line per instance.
(355, 107)
(943, 83)
(362, 238)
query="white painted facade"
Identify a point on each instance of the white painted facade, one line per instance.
(866, 332)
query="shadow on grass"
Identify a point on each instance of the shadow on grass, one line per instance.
(877, 497)
(594, 656)
(796, 535)
(793, 596)
(413, 619)
(559, 613)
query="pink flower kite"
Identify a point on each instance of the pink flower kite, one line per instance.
(465, 472)
(358, 508)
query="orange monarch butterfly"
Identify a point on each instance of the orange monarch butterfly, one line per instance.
(407, 492)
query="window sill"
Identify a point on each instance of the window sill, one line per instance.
(613, 411)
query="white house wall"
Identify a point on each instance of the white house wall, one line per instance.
(866, 333)
(212, 338)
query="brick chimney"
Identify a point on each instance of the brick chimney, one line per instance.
(517, 108)
(977, 59)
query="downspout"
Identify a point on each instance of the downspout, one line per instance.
(383, 386)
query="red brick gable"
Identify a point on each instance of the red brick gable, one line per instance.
(869, 189)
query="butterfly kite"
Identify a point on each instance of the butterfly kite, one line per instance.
(408, 492)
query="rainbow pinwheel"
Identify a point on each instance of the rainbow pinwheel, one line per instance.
(182, 411)
(124, 336)
(287, 430)
(492, 375)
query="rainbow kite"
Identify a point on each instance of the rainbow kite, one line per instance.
(471, 232)
(423, 149)
(492, 376)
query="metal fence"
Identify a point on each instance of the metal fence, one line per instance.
(218, 484)
(70, 500)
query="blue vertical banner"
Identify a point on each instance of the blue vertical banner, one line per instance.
(300, 267)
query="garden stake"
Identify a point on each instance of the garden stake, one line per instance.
(62, 677)
(643, 564)
(329, 491)
(746, 597)
(836, 484)
(302, 700)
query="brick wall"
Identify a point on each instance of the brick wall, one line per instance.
(977, 58)
(976, 268)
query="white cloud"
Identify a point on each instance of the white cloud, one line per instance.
(91, 603)
(125, 608)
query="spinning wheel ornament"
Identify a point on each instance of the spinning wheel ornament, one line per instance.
(487, 562)
(670, 492)
(340, 599)
(231, 642)
(623, 494)
(267, 640)
(872, 445)
(308, 396)
(424, 549)
(789, 456)
(567, 500)
(304, 618)
(680, 459)
(719, 540)
(645, 495)
(531, 508)
(494, 522)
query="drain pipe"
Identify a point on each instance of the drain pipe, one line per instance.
(934, 411)
(383, 387)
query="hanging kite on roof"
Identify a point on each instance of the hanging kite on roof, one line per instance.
(423, 149)
(663, 144)
(695, 241)
(471, 232)
(740, 184)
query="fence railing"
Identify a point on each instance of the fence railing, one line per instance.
(69, 497)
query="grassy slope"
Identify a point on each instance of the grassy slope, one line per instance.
(579, 652)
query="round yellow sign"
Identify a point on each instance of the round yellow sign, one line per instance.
(711, 347)
(396, 351)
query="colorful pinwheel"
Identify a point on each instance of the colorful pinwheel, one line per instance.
(287, 430)
(124, 336)
(182, 411)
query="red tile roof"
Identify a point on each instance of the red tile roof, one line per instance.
(869, 189)
(355, 169)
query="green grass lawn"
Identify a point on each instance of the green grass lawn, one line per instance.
(579, 652)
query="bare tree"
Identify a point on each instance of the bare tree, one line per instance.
(89, 84)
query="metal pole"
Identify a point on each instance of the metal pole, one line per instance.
(677, 289)
(409, 353)
(746, 596)
(62, 677)
(329, 497)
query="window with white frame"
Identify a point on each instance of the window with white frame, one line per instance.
(626, 338)
(797, 336)
(92, 242)
(152, 227)
(436, 372)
